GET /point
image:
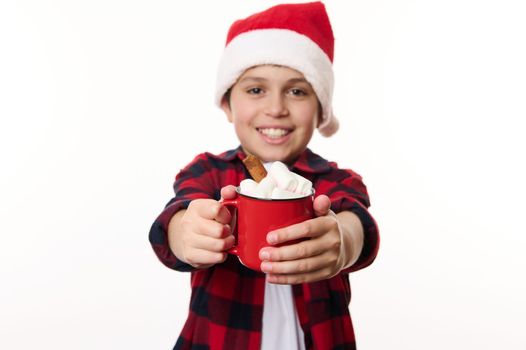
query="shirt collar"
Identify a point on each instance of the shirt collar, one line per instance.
(308, 161)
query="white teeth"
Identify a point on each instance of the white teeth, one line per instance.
(272, 132)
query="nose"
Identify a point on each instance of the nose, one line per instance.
(276, 105)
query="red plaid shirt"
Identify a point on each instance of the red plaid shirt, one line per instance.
(226, 304)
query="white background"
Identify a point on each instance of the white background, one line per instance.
(102, 102)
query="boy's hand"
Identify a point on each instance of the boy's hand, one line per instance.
(200, 234)
(330, 248)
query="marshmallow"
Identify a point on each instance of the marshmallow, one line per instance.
(304, 185)
(284, 178)
(265, 187)
(280, 183)
(248, 186)
(278, 193)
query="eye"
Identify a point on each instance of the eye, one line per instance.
(255, 91)
(297, 92)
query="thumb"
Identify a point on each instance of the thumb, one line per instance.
(322, 205)
(228, 192)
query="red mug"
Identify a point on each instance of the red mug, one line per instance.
(258, 216)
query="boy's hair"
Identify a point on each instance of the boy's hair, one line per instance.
(298, 36)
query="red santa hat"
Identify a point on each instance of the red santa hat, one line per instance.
(298, 36)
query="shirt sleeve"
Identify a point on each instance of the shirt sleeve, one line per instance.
(347, 192)
(192, 182)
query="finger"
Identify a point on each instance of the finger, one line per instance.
(205, 208)
(300, 266)
(301, 250)
(200, 257)
(212, 228)
(299, 278)
(322, 205)
(306, 229)
(228, 192)
(213, 244)
(223, 216)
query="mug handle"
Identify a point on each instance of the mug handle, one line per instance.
(231, 206)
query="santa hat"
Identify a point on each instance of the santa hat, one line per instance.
(298, 36)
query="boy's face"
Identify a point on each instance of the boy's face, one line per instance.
(274, 111)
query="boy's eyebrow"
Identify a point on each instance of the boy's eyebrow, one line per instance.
(249, 78)
(298, 80)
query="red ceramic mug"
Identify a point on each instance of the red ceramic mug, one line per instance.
(258, 216)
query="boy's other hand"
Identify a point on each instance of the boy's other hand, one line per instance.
(200, 234)
(329, 247)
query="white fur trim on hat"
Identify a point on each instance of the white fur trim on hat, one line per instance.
(280, 47)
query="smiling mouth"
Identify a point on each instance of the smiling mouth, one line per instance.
(274, 133)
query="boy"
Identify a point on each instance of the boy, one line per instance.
(275, 85)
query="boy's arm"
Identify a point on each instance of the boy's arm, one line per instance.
(362, 222)
(175, 221)
(343, 236)
(349, 194)
(191, 183)
(352, 237)
(158, 237)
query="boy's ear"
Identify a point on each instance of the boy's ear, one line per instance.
(225, 106)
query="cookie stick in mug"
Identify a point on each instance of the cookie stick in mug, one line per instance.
(255, 167)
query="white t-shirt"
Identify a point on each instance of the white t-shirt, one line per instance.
(281, 326)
